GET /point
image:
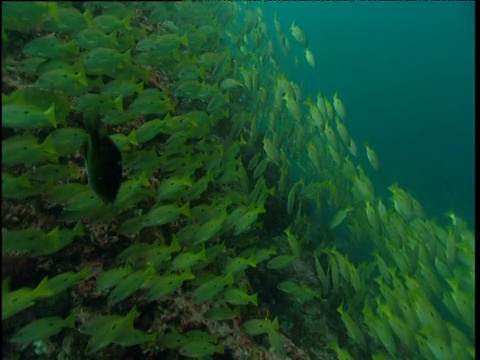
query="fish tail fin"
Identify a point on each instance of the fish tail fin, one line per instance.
(126, 57)
(70, 321)
(50, 115)
(126, 21)
(185, 209)
(42, 290)
(49, 148)
(118, 102)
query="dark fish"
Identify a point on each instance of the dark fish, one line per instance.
(103, 161)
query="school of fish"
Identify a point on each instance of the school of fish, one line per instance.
(188, 199)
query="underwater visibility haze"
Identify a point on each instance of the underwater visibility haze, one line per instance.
(222, 180)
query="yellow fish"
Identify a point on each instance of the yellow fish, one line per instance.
(372, 156)
(339, 108)
(310, 58)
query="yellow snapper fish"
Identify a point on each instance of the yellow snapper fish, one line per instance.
(372, 156)
(43, 328)
(15, 301)
(340, 216)
(353, 330)
(310, 58)
(197, 349)
(298, 34)
(338, 107)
